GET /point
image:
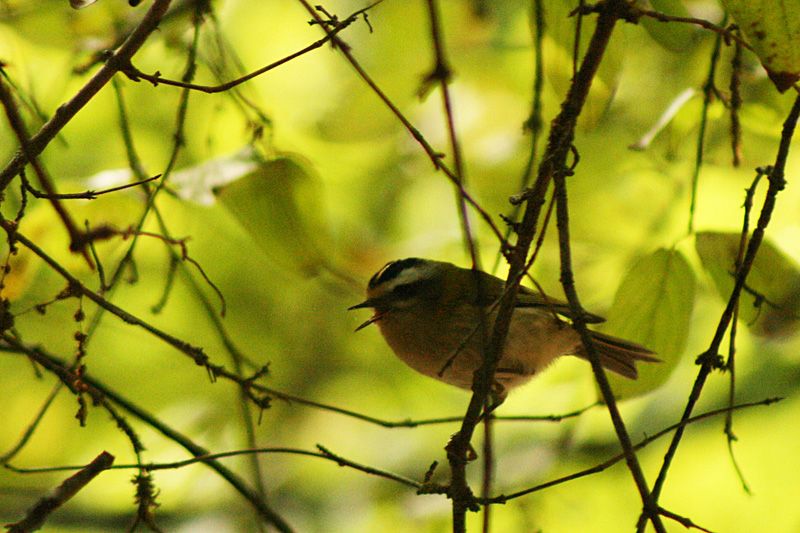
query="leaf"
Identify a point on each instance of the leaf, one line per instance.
(772, 28)
(653, 306)
(558, 57)
(80, 4)
(673, 36)
(770, 303)
(42, 226)
(198, 183)
(22, 268)
(278, 204)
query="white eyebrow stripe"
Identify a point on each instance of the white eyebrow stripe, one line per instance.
(409, 275)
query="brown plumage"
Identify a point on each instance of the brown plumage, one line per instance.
(429, 313)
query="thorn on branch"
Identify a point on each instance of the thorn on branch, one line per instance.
(517, 199)
(366, 21)
(776, 178)
(511, 223)
(441, 74)
(429, 487)
(84, 238)
(333, 20)
(713, 360)
(258, 374)
(682, 520)
(429, 473)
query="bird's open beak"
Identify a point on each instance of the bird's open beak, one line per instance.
(368, 303)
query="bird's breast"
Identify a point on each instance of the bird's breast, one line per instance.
(448, 343)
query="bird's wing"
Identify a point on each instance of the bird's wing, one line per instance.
(533, 298)
(492, 289)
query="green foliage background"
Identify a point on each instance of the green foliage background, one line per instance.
(292, 252)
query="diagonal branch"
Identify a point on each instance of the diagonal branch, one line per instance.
(98, 389)
(710, 358)
(553, 163)
(67, 111)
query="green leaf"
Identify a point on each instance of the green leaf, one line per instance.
(772, 28)
(198, 183)
(770, 303)
(278, 204)
(674, 36)
(558, 58)
(653, 306)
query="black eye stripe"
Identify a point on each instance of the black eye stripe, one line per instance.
(392, 270)
(415, 288)
(406, 289)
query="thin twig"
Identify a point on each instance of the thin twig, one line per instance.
(638, 446)
(37, 516)
(568, 282)
(99, 390)
(721, 31)
(534, 123)
(730, 364)
(434, 155)
(709, 90)
(90, 194)
(736, 104)
(76, 237)
(32, 426)
(710, 358)
(79, 288)
(323, 453)
(68, 110)
(156, 79)
(682, 520)
(459, 492)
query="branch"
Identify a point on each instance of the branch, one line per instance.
(553, 162)
(156, 79)
(434, 155)
(323, 453)
(708, 359)
(67, 111)
(76, 237)
(98, 389)
(78, 288)
(63, 493)
(621, 456)
(709, 89)
(727, 33)
(89, 194)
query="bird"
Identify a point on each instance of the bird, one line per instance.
(430, 314)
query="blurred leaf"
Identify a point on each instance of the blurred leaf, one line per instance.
(198, 183)
(22, 268)
(653, 306)
(772, 28)
(42, 226)
(80, 4)
(278, 204)
(558, 57)
(674, 36)
(770, 305)
(363, 119)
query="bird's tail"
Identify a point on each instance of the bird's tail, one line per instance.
(619, 355)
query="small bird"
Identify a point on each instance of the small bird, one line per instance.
(429, 312)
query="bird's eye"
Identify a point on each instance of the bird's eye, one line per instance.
(419, 289)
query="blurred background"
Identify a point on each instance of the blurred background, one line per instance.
(295, 187)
